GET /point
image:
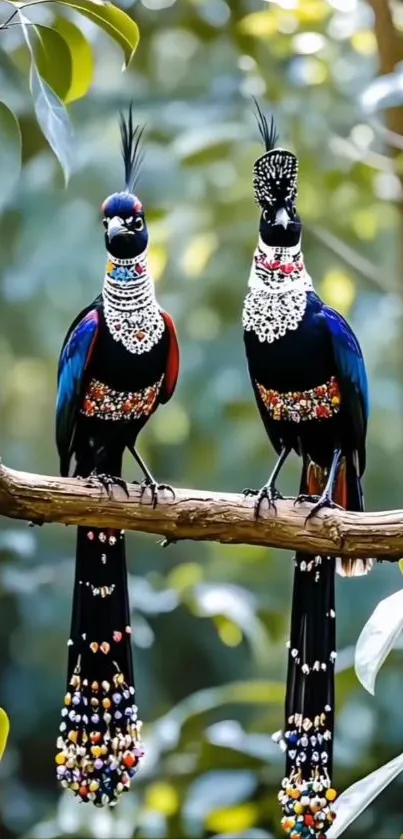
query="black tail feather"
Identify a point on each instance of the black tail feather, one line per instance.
(307, 794)
(99, 744)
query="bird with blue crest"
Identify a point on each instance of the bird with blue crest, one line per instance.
(119, 362)
(309, 380)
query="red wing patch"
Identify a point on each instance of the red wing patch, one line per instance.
(172, 364)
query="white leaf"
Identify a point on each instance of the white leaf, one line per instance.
(377, 639)
(53, 120)
(360, 795)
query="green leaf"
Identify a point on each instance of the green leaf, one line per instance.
(115, 22)
(10, 158)
(4, 731)
(254, 692)
(82, 64)
(53, 120)
(53, 60)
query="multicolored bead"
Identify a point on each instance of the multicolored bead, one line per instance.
(319, 403)
(98, 761)
(105, 403)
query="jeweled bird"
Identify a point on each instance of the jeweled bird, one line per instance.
(119, 361)
(310, 384)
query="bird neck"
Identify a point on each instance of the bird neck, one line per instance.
(277, 270)
(277, 292)
(128, 284)
(132, 314)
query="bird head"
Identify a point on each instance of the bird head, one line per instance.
(126, 234)
(275, 177)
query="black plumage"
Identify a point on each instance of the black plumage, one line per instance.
(119, 362)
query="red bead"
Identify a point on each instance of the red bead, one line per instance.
(287, 269)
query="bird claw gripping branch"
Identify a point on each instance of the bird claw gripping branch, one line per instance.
(309, 381)
(119, 361)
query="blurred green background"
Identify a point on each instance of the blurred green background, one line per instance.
(209, 622)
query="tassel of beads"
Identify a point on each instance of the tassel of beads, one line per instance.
(99, 743)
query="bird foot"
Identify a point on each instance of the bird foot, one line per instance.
(107, 482)
(324, 501)
(305, 498)
(155, 489)
(268, 493)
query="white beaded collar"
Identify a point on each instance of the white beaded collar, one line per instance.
(131, 311)
(276, 300)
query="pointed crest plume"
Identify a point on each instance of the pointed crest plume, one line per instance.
(275, 173)
(269, 135)
(132, 152)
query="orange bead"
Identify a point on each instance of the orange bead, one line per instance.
(129, 760)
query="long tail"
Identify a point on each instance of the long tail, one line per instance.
(99, 746)
(307, 792)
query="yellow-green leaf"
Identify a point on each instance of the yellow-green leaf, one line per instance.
(53, 60)
(4, 731)
(10, 157)
(115, 22)
(82, 59)
(401, 565)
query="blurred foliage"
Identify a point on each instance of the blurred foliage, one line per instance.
(210, 622)
(60, 62)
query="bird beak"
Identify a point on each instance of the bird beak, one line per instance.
(282, 218)
(115, 227)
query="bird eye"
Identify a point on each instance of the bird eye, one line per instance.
(139, 224)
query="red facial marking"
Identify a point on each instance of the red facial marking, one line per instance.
(138, 207)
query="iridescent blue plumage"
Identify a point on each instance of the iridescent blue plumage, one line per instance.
(351, 375)
(71, 375)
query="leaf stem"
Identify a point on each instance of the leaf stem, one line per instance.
(6, 22)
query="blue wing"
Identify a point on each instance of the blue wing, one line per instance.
(73, 363)
(351, 375)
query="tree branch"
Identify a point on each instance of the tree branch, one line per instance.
(198, 515)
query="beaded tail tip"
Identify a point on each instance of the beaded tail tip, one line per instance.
(99, 743)
(307, 794)
(307, 806)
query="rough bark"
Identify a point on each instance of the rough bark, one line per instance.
(201, 515)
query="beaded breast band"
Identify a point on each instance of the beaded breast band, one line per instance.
(320, 402)
(103, 402)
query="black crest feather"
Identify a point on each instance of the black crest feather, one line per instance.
(132, 152)
(269, 134)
